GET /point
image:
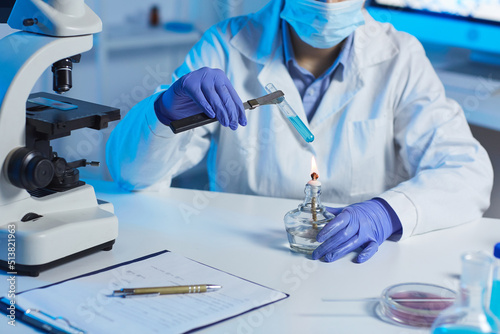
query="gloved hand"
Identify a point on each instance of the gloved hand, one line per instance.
(365, 225)
(206, 90)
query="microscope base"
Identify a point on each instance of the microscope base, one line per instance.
(63, 226)
(34, 270)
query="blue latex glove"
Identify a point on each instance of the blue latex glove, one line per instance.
(206, 90)
(365, 225)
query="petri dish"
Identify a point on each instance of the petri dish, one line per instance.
(414, 304)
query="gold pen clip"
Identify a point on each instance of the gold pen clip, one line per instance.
(130, 293)
(133, 295)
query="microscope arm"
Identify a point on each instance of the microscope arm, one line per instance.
(51, 227)
(23, 59)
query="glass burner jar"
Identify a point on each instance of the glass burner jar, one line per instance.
(303, 224)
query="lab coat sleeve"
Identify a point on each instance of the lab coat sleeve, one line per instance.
(451, 174)
(144, 153)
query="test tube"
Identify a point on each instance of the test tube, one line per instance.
(292, 117)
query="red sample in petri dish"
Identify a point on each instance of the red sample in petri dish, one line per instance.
(414, 304)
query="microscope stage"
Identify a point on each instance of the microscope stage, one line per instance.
(51, 122)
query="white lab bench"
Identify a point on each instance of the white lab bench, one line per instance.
(245, 236)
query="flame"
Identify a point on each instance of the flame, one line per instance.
(314, 166)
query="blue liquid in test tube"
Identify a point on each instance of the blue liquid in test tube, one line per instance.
(292, 117)
(495, 298)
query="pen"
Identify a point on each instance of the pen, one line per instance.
(38, 319)
(165, 290)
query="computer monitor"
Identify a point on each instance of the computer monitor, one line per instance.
(473, 24)
(5, 9)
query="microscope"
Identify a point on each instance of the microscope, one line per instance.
(47, 214)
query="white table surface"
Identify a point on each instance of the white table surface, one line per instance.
(245, 236)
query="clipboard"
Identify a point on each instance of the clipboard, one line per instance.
(151, 267)
(37, 319)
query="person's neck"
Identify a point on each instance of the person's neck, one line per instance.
(316, 61)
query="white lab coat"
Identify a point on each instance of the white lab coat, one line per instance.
(384, 128)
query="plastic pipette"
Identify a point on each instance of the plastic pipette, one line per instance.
(292, 117)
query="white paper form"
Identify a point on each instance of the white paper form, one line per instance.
(86, 303)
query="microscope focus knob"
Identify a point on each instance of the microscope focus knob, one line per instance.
(29, 169)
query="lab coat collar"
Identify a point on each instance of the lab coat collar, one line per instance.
(276, 72)
(372, 45)
(260, 38)
(336, 97)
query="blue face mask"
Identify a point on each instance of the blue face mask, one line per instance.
(323, 25)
